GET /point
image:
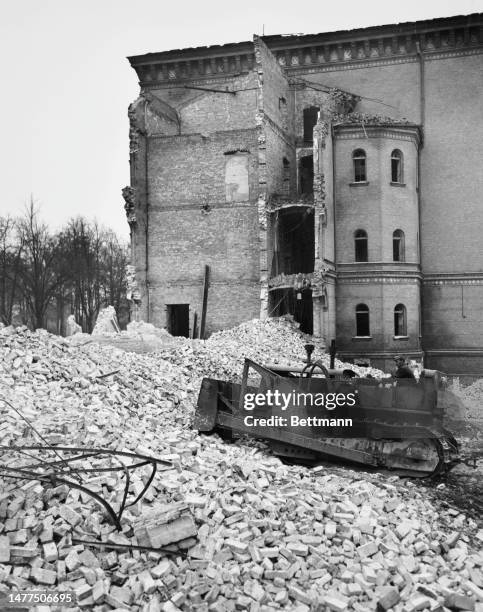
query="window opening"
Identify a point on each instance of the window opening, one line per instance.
(359, 159)
(398, 245)
(400, 327)
(396, 166)
(362, 320)
(360, 245)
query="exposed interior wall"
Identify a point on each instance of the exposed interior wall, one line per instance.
(394, 84)
(276, 96)
(201, 187)
(293, 241)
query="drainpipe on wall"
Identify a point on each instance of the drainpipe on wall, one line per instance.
(146, 178)
(333, 193)
(422, 115)
(334, 230)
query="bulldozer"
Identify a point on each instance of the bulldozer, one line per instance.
(311, 413)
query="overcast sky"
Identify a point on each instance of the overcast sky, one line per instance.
(67, 83)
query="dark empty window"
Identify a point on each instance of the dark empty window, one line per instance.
(360, 245)
(359, 159)
(178, 319)
(307, 174)
(362, 320)
(398, 245)
(396, 166)
(310, 119)
(400, 328)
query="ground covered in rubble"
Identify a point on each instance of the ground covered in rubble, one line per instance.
(238, 529)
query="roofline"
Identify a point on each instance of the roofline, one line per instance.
(192, 52)
(408, 27)
(279, 41)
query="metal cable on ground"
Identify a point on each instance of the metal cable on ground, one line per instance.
(58, 477)
(35, 430)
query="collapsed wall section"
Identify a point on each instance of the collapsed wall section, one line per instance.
(198, 176)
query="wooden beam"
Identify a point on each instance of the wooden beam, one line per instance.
(205, 302)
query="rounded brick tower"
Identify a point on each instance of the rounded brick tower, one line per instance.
(377, 242)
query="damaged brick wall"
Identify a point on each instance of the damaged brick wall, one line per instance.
(194, 217)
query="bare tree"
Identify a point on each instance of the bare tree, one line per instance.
(115, 257)
(40, 273)
(95, 269)
(81, 269)
(10, 262)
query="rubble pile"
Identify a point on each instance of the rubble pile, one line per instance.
(222, 527)
(139, 337)
(106, 321)
(275, 341)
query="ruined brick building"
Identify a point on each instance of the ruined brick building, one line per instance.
(336, 177)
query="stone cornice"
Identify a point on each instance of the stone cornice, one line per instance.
(396, 43)
(158, 68)
(351, 273)
(381, 280)
(378, 267)
(376, 62)
(352, 353)
(394, 131)
(455, 351)
(453, 278)
(421, 28)
(193, 53)
(393, 43)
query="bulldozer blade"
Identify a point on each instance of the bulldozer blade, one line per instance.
(214, 395)
(207, 407)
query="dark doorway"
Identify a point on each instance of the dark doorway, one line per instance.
(178, 319)
(307, 175)
(310, 120)
(297, 303)
(304, 310)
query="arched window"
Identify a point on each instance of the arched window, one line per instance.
(359, 160)
(362, 320)
(360, 245)
(400, 326)
(398, 245)
(396, 166)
